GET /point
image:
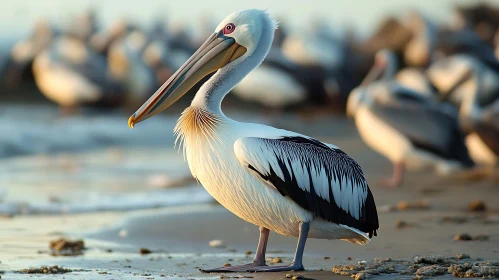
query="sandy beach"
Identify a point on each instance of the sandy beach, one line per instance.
(179, 235)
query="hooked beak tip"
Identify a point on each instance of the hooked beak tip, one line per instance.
(131, 120)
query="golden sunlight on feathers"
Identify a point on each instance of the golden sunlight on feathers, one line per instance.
(196, 124)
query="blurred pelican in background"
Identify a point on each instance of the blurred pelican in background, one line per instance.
(24, 52)
(408, 81)
(410, 129)
(450, 78)
(279, 83)
(480, 122)
(71, 74)
(83, 26)
(101, 41)
(126, 64)
(318, 46)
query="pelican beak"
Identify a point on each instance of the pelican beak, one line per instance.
(215, 53)
(374, 73)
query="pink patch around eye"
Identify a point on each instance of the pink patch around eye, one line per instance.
(229, 28)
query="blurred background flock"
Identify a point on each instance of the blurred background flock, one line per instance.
(68, 83)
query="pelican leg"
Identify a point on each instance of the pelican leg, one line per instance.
(397, 177)
(296, 264)
(258, 261)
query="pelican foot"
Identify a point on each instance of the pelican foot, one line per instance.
(236, 268)
(291, 267)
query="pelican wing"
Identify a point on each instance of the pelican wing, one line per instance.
(320, 178)
(488, 130)
(428, 128)
(92, 69)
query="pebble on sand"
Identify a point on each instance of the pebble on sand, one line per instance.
(123, 233)
(64, 247)
(463, 237)
(216, 243)
(463, 256)
(477, 206)
(360, 276)
(401, 224)
(413, 205)
(248, 252)
(145, 251)
(276, 260)
(467, 237)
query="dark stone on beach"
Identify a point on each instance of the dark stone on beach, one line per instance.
(145, 251)
(477, 206)
(429, 259)
(467, 237)
(64, 247)
(462, 256)
(401, 224)
(463, 237)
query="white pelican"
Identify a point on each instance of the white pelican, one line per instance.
(409, 81)
(276, 179)
(451, 77)
(127, 65)
(70, 74)
(280, 83)
(481, 124)
(409, 129)
(314, 47)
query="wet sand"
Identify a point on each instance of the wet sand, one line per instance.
(179, 236)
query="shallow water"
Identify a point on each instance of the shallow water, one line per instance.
(103, 180)
(41, 129)
(93, 162)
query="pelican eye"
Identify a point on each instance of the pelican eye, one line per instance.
(229, 28)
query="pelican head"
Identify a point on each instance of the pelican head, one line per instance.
(384, 64)
(235, 39)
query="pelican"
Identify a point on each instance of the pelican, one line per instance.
(409, 81)
(450, 78)
(70, 74)
(126, 64)
(314, 48)
(280, 83)
(480, 124)
(409, 129)
(278, 180)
